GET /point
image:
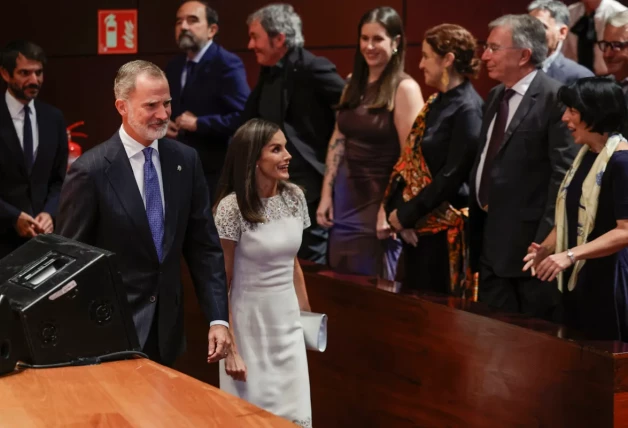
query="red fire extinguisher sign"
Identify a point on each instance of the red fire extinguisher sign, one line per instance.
(117, 31)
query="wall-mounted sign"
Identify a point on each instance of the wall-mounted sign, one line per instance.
(117, 31)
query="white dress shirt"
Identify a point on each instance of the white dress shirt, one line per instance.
(550, 59)
(16, 110)
(137, 160)
(520, 88)
(196, 60)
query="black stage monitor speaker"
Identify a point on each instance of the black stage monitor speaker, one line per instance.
(61, 301)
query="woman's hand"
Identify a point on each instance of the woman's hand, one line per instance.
(549, 268)
(235, 367)
(536, 254)
(325, 212)
(383, 229)
(409, 236)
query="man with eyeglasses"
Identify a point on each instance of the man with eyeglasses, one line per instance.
(615, 48)
(554, 15)
(515, 179)
(587, 19)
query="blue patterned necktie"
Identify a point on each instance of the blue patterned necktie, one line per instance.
(154, 207)
(28, 138)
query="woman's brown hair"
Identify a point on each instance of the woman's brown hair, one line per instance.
(238, 173)
(386, 85)
(446, 38)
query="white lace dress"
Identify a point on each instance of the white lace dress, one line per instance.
(264, 307)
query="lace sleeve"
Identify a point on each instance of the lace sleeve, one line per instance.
(228, 218)
(303, 208)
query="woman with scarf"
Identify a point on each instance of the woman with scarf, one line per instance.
(428, 188)
(586, 250)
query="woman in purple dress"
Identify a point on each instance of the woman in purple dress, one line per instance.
(375, 115)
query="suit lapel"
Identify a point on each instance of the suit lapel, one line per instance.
(170, 173)
(9, 136)
(288, 86)
(528, 101)
(122, 180)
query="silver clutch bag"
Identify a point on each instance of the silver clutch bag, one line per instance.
(314, 330)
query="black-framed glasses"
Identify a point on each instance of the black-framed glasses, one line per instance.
(496, 48)
(616, 46)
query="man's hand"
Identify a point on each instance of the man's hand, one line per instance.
(173, 130)
(45, 222)
(26, 226)
(219, 343)
(187, 121)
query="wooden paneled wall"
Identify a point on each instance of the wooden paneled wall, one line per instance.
(80, 82)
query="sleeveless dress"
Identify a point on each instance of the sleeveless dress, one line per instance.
(264, 306)
(371, 151)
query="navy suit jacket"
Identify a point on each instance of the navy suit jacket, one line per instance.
(38, 191)
(526, 174)
(567, 71)
(101, 206)
(216, 93)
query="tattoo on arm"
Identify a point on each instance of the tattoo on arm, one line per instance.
(335, 155)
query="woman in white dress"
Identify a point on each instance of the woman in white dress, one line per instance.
(260, 219)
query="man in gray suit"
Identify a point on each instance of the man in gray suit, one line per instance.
(525, 153)
(615, 48)
(554, 15)
(144, 197)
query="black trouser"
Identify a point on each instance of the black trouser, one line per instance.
(426, 266)
(151, 347)
(527, 295)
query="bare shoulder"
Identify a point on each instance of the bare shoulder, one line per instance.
(408, 87)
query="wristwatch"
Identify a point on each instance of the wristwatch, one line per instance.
(571, 257)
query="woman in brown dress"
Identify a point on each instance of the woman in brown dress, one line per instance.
(375, 115)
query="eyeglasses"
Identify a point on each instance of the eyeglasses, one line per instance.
(616, 46)
(496, 48)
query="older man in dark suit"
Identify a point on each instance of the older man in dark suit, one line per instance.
(33, 149)
(554, 15)
(525, 152)
(208, 87)
(144, 197)
(297, 90)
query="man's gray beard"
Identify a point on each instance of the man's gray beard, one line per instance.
(146, 132)
(187, 43)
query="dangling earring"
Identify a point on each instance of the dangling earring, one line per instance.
(444, 80)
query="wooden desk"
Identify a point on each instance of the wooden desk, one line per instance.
(123, 394)
(432, 361)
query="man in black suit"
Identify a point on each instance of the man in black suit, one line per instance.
(144, 197)
(554, 15)
(297, 90)
(615, 48)
(33, 149)
(526, 150)
(208, 87)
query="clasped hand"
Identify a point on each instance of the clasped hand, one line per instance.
(543, 265)
(29, 227)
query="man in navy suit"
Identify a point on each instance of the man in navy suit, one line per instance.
(33, 149)
(554, 15)
(144, 197)
(208, 87)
